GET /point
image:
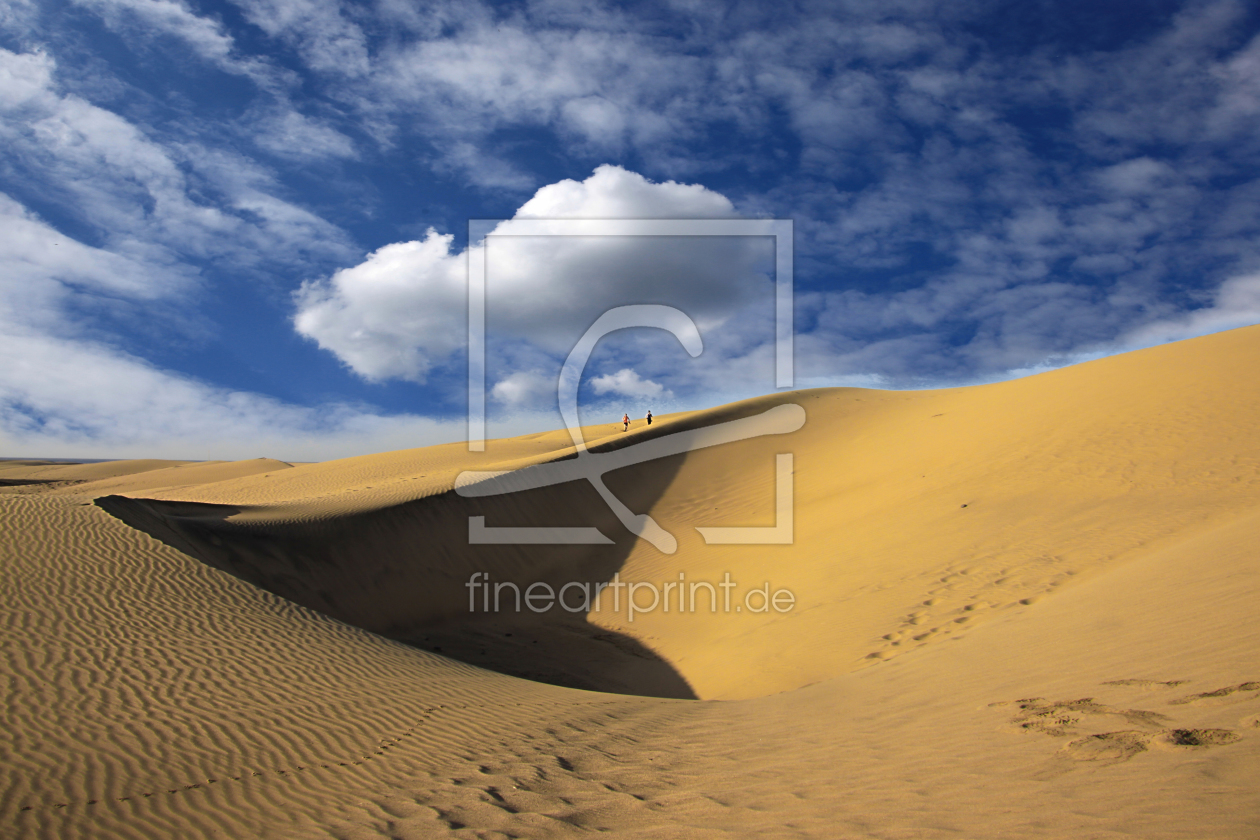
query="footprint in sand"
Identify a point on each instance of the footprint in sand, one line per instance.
(1115, 747)
(1234, 693)
(1063, 717)
(1198, 737)
(1150, 685)
(1111, 747)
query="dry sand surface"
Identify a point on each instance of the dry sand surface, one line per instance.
(1027, 609)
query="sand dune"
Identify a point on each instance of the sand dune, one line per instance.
(19, 472)
(1021, 609)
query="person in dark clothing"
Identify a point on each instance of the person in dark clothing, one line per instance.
(649, 417)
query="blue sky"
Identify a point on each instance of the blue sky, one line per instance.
(236, 229)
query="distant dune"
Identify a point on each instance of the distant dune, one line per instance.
(1026, 609)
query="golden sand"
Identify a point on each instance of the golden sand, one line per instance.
(1026, 609)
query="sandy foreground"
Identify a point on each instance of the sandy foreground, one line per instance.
(1028, 609)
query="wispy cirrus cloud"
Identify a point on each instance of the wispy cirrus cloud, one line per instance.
(138, 193)
(321, 31)
(66, 389)
(206, 37)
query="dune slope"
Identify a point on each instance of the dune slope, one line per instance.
(1021, 609)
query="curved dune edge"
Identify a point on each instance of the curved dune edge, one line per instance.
(1070, 654)
(918, 515)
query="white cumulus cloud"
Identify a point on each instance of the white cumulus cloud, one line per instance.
(393, 314)
(627, 383)
(402, 311)
(524, 388)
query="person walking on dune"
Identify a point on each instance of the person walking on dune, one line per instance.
(625, 419)
(649, 417)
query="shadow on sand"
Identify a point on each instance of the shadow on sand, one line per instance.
(402, 571)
